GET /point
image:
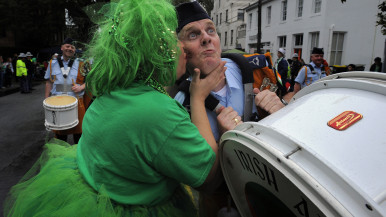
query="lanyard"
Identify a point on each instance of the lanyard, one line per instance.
(65, 71)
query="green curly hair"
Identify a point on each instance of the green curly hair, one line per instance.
(137, 42)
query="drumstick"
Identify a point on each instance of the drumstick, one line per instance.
(73, 83)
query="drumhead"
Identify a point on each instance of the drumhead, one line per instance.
(60, 100)
(300, 161)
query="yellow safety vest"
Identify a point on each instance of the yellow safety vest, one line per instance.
(20, 68)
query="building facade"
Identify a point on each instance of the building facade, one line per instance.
(346, 31)
(228, 15)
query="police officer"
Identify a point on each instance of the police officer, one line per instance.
(312, 72)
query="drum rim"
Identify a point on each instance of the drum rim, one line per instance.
(64, 127)
(48, 106)
(346, 79)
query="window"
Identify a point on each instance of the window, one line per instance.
(269, 9)
(219, 36)
(300, 8)
(240, 14)
(298, 40)
(250, 21)
(220, 17)
(314, 40)
(282, 41)
(337, 48)
(231, 37)
(226, 16)
(226, 38)
(284, 10)
(242, 31)
(216, 19)
(317, 6)
(219, 3)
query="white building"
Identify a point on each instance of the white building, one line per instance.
(347, 32)
(228, 15)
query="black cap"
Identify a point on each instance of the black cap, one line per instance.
(189, 12)
(68, 41)
(316, 50)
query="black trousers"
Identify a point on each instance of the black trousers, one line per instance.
(24, 88)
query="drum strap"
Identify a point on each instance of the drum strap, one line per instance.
(52, 79)
(80, 77)
(313, 71)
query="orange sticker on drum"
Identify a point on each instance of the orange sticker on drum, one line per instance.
(344, 120)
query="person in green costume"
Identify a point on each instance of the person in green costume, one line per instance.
(139, 147)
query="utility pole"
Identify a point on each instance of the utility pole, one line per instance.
(258, 44)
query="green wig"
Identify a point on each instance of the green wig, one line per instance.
(137, 42)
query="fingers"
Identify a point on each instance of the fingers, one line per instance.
(218, 74)
(196, 75)
(228, 119)
(237, 120)
(218, 111)
(268, 101)
(201, 87)
(256, 90)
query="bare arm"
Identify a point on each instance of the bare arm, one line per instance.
(199, 90)
(297, 87)
(48, 88)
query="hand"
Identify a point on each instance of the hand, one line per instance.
(227, 119)
(201, 87)
(267, 100)
(77, 88)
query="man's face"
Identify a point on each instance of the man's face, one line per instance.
(317, 59)
(202, 45)
(181, 66)
(68, 50)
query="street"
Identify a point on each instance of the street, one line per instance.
(22, 135)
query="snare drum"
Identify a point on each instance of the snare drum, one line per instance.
(322, 155)
(61, 112)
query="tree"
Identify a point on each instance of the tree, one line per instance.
(207, 4)
(381, 17)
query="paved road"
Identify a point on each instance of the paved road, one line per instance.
(22, 135)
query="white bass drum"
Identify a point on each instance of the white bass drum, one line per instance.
(322, 155)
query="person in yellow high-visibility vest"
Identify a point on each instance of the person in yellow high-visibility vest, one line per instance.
(21, 73)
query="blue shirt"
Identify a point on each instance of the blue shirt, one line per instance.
(234, 97)
(59, 79)
(317, 74)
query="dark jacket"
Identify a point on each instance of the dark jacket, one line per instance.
(373, 67)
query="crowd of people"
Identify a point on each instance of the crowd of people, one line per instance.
(21, 69)
(138, 151)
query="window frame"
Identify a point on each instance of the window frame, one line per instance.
(314, 40)
(337, 39)
(226, 38)
(269, 15)
(317, 4)
(282, 41)
(284, 10)
(299, 8)
(231, 36)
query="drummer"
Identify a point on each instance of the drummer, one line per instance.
(63, 77)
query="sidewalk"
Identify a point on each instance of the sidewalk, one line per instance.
(15, 87)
